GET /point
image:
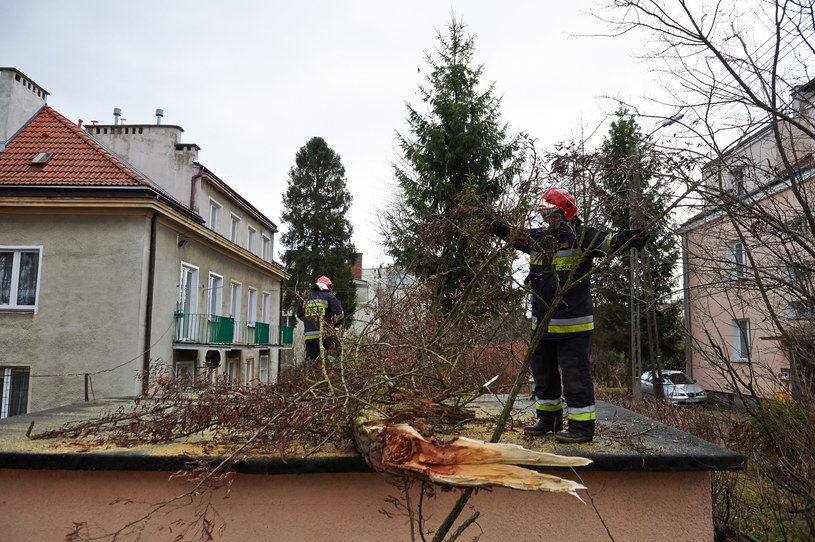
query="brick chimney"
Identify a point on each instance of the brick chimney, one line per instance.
(356, 270)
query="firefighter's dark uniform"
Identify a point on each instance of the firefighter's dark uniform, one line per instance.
(316, 306)
(555, 257)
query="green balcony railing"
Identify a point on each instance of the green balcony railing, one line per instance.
(221, 330)
(207, 329)
(204, 329)
(261, 333)
(286, 335)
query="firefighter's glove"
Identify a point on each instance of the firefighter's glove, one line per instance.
(640, 239)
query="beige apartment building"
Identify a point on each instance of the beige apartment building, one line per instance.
(120, 254)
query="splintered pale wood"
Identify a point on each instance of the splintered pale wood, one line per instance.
(503, 476)
(401, 450)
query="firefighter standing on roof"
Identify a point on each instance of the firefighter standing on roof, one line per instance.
(561, 253)
(321, 314)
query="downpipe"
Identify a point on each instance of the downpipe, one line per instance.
(148, 317)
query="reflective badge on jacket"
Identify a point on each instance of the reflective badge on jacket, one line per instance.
(315, 308)
(565, 260)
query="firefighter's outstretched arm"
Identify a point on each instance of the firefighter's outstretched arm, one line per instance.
(520, 237)
(638, 237)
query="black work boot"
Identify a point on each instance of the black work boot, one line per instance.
(577, 432)
(572, 437)
(546, 424)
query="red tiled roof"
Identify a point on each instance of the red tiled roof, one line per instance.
(77, 161)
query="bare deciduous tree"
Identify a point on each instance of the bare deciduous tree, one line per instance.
(740, 73)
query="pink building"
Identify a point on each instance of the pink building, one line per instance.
(748, 261)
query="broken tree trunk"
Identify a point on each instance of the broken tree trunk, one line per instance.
(399, 449)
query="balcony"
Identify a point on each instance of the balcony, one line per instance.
(208, 329)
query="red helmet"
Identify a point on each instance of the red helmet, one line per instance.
(324, 283)
(558, 198)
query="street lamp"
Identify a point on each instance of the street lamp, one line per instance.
(635, 197)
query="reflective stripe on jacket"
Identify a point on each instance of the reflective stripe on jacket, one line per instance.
(316, 306)
(556, 257)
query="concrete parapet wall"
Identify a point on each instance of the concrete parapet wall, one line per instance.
(43, 505)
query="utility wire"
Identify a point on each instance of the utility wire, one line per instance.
(110, 369)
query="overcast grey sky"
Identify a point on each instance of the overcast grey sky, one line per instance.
(250, 81)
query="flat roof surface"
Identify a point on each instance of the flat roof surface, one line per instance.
(623, 442)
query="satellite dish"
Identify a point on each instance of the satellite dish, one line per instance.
(213, 359)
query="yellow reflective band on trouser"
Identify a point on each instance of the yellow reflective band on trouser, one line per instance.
(571, 329)
(534, 326)
(547, 405)
(585, 414)
(571, 325)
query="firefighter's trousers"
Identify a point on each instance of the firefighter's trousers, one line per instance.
(566, 359)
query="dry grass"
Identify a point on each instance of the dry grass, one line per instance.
(759, 503)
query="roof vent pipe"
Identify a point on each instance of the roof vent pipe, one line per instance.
(117, 113)
(159, 115)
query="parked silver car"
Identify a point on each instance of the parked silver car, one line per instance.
(678, 387)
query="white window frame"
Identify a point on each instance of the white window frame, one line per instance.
(266, 247)
(741, 340)
(737, 180)
(248, 369)
(233, 367)
(187, 300)
(215, 298)
(251, 306)
(235, 293)
(251, 235)
(263, 369)
(266, 308)
(15, 277)
(193, 289)
(214, 215)
(234, 227)
(183, 368)
(235, 299)
(737, 256)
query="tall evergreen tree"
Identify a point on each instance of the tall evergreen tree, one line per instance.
(318, 238)
(458, 144)
(626, 160)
